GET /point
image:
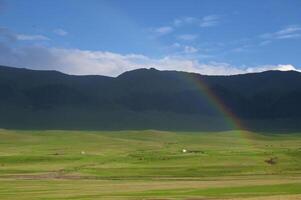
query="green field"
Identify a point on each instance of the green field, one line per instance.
(149, 165)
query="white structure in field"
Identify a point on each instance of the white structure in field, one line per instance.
(184, 150)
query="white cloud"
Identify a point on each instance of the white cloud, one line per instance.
(163, 30)
(185, 20)
(190, 49)
(184, 50)
(289, 29)
(76, 61)
(187, 37)
(206, 21)
(9, 36)
(289, 36)
(289, 32)
(209, 20)
(80, 62)
(31, 37)
(287, 67)
(60, 32)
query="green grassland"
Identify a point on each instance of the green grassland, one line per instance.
(149, 165)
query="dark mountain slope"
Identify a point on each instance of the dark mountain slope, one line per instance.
(148, 98)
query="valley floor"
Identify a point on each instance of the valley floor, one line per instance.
(149, 165)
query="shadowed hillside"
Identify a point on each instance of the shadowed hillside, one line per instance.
(148, 99)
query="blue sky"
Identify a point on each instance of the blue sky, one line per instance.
(110, 37)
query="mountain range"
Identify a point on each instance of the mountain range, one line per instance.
(149, 99)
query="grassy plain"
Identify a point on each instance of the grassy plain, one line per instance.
(149, 165)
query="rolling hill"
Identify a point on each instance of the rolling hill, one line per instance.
(148, 99)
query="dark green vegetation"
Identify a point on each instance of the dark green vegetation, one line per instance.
(149, 165)
(147, 99)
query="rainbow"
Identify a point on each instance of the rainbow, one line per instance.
(231, 119)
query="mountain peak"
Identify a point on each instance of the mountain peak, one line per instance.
(140, 71)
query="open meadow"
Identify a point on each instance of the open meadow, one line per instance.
(149, 165)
